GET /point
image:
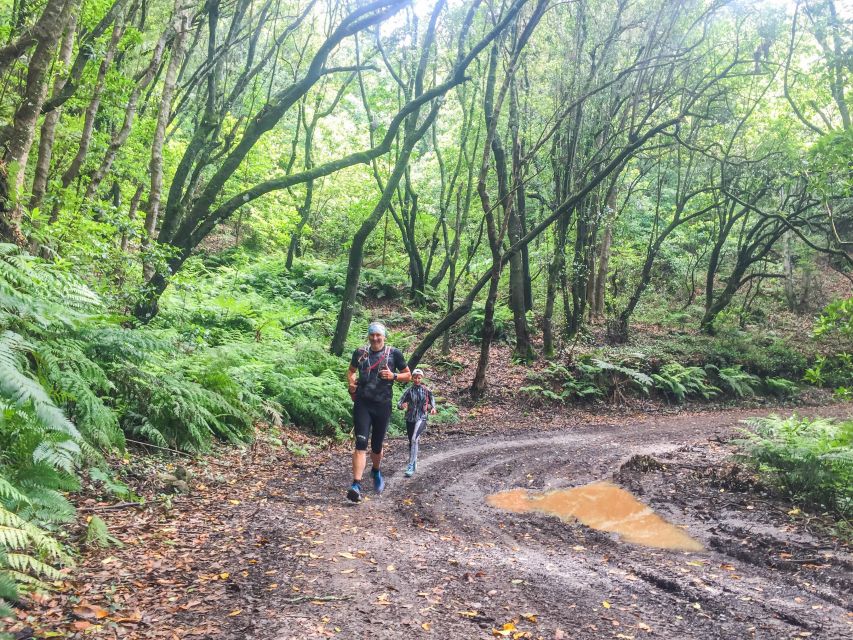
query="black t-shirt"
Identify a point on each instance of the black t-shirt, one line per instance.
(369, 363)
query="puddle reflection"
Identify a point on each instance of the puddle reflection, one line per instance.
(602, 506)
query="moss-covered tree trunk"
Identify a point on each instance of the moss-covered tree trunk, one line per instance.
(16, 140)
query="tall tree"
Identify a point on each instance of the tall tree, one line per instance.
(16, 138)
(659, 89)
(412, 133)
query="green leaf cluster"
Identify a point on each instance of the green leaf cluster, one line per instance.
(811, 460)
(677, 382)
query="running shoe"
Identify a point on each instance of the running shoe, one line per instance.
(378, 480)
(410, 470)
(354, 493)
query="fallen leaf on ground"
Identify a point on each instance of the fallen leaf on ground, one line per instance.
(90, 611)
(505, 631)
(136, 616)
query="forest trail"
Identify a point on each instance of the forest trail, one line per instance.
(429, 558)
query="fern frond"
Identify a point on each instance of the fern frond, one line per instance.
(35, 536)
(21, 389)
(13, 538)
(9, 492)
(8, 589)
(638, 377)
(29, 565)
(98, 534)
(47, 506)
(738, 381)
(61, 455)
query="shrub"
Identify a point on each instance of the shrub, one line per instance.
(318, 402)
(473, 327)
(834, 370)
(769, 357)
(382, 285)
(830, 371)
(677, 382)
(836, 320)
(779, 387)
(810, 459)
(736, 380)
(618, 378)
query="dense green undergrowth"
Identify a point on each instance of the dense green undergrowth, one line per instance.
(811, 460)
(592, 378)
(234, 345)
(239, 340)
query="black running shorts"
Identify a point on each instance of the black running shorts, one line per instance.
(367, 414)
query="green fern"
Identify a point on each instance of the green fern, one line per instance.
(536, 390)
(811, 459)
(617, 375)
(173, 411)
(678, 382)
(98, 534)
(8, 492)
(580, 384)
(47, 383)
(113, 486)
(738, 381)
(23, 390)
(46, 507)
(320, 403)
(16, 533)
(8, 589)
(26, 564)
(779, 387)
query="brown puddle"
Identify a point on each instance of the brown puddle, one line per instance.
(602, 506)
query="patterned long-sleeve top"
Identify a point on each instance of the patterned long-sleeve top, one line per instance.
(418, 397)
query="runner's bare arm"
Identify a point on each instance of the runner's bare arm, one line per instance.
(404, 375)
(351, 383)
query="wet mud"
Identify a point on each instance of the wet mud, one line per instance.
(431, 557)
(602, 506)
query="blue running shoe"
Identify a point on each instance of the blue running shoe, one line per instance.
(354, 493)
(410, 470)
(378, 480)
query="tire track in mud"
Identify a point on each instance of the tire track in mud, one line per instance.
(431, 557)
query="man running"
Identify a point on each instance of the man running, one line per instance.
(378, 366)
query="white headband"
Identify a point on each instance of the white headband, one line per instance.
(376, 327)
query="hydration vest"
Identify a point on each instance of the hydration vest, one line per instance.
(370, 386)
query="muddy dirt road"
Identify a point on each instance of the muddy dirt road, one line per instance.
(429, 558)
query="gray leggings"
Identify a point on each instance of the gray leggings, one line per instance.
(414, 431)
